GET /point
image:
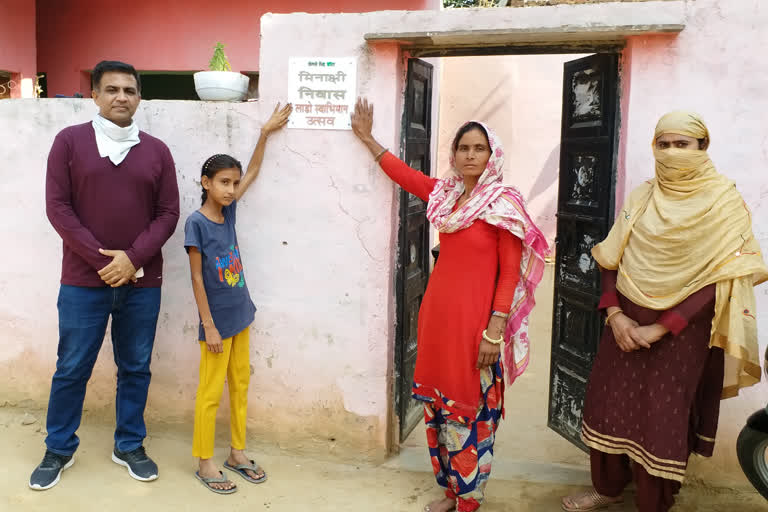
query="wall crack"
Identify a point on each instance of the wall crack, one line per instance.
(358, 222)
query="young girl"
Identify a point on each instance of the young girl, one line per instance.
(225, 309)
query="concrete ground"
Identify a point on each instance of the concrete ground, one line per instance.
(404, 483)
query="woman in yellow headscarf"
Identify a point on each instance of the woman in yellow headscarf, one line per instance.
(678, 271)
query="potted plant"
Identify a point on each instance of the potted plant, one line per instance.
(220, 83)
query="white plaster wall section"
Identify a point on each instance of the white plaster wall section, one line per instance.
(34, 124)
(175, 348)
(32, 254)
(358, 202)
(538, 21)
(292, 360)
(360, 394)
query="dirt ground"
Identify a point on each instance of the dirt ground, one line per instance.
(404, 483)
(533, 467)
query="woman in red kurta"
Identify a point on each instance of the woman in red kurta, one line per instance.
(478, 297)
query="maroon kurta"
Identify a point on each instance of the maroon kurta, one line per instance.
(660, 404)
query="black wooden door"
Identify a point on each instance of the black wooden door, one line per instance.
(584, 215)
(413, 258)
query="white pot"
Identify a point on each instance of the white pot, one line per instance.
(221, 85)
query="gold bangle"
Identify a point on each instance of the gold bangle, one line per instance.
(491, 340)
(608, 318)
(380, 154)
(500, 314)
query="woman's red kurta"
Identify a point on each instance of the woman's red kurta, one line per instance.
(477, 272)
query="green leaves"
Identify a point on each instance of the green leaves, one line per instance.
(219, 61)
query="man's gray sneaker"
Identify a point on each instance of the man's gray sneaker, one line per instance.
(48, 472)
(139, 465)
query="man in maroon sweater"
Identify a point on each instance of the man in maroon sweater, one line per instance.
(112, 196)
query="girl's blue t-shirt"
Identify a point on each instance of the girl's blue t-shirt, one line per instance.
(231, 305)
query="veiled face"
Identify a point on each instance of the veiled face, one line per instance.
(673, 140)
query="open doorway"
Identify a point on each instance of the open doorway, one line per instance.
(556, 116)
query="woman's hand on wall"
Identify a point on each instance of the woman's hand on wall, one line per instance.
(362, 127)
(362, 120)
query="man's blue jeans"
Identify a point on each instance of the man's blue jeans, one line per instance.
(83, 315)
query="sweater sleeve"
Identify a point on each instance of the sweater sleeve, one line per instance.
(510, 253)
(609, 298)
(60, 211)
(677, 318)
(166, 215)
(413, 181)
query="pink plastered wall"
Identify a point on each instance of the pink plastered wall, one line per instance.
(317, 233)
(18, 49)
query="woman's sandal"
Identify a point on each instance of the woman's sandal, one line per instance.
(207, 481)
(241, 469)
(597, 501)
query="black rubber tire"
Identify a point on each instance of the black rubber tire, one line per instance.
(751, 441)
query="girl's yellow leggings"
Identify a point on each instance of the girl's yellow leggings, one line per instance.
(233, 363)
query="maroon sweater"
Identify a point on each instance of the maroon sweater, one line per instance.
(95, 204)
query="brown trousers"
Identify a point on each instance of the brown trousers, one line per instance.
(611, 474)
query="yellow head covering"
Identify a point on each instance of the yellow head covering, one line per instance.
(683, 230)
(681, 122)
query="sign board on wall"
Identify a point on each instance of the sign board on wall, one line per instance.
(323, 92)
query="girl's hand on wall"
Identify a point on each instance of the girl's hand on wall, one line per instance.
(278, 119)
(213, 340)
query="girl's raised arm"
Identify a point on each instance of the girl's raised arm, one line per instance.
(276, 121)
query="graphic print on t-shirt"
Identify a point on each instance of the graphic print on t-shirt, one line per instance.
(230, 267)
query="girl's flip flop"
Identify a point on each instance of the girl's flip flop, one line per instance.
(216, 480)
(240, 469)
